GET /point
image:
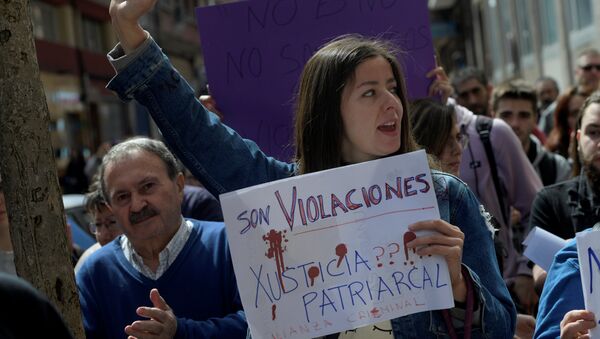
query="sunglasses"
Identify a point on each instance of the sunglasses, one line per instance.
(589, 67)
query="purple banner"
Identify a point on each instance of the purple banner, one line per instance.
(255, 51)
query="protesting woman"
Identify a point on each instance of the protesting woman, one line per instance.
(352, 107)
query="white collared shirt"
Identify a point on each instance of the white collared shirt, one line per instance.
(166, 257)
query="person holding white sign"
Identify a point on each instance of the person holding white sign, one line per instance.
(578, 203)
(352, 107)
(573, 205)
(562, 309)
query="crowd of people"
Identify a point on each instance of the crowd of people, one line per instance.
(508, 157)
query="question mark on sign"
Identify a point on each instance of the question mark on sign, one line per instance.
(408, 237)
(378, 256)
(396, 249)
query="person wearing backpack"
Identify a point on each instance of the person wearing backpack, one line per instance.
(497, 170)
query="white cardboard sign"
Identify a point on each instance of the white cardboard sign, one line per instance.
(588, 251)
(324, 252)
(542, 246)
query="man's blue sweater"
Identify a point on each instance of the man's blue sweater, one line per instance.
(199, 287)
(562, 292)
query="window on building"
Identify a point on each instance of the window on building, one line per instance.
(45, 21)
(93, 38)
(525, 36)
(508, 39)
(548, 21)
(493, 27)
(579, 14)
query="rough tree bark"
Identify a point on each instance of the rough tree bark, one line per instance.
(28, 168)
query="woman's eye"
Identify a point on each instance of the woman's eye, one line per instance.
(369, 93)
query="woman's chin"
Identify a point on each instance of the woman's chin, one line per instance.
(452, 168)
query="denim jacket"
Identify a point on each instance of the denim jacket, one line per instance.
(223, 161)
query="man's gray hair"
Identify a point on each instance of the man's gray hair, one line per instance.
(592, 52)
(468, 73)
(124, 149)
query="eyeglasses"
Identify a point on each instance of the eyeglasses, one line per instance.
(589, 67)
(96, 226)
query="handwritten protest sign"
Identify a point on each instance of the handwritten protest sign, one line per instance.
(542, 246)
(254, 52)
(588, 251)
(325, 252)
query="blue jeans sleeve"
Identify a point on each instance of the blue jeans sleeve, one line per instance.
(498, 319)
(214, 153)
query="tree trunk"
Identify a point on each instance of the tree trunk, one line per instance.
(33, 197)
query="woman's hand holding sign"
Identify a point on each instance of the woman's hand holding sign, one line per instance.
(447, 241)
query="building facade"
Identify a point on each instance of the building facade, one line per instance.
(527, 38)
(72, 38)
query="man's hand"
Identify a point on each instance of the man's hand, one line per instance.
(525, 327)
(523, 288)
(125, 15)
(515, 216)
(441, 85)
(162, 323)
(539, 278)
(576, 324)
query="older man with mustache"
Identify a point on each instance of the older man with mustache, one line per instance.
(184, 265)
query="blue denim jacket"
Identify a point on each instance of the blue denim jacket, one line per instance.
(223, 161)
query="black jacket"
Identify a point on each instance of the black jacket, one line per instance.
(565, 208)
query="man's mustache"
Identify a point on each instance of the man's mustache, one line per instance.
(146, 213)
